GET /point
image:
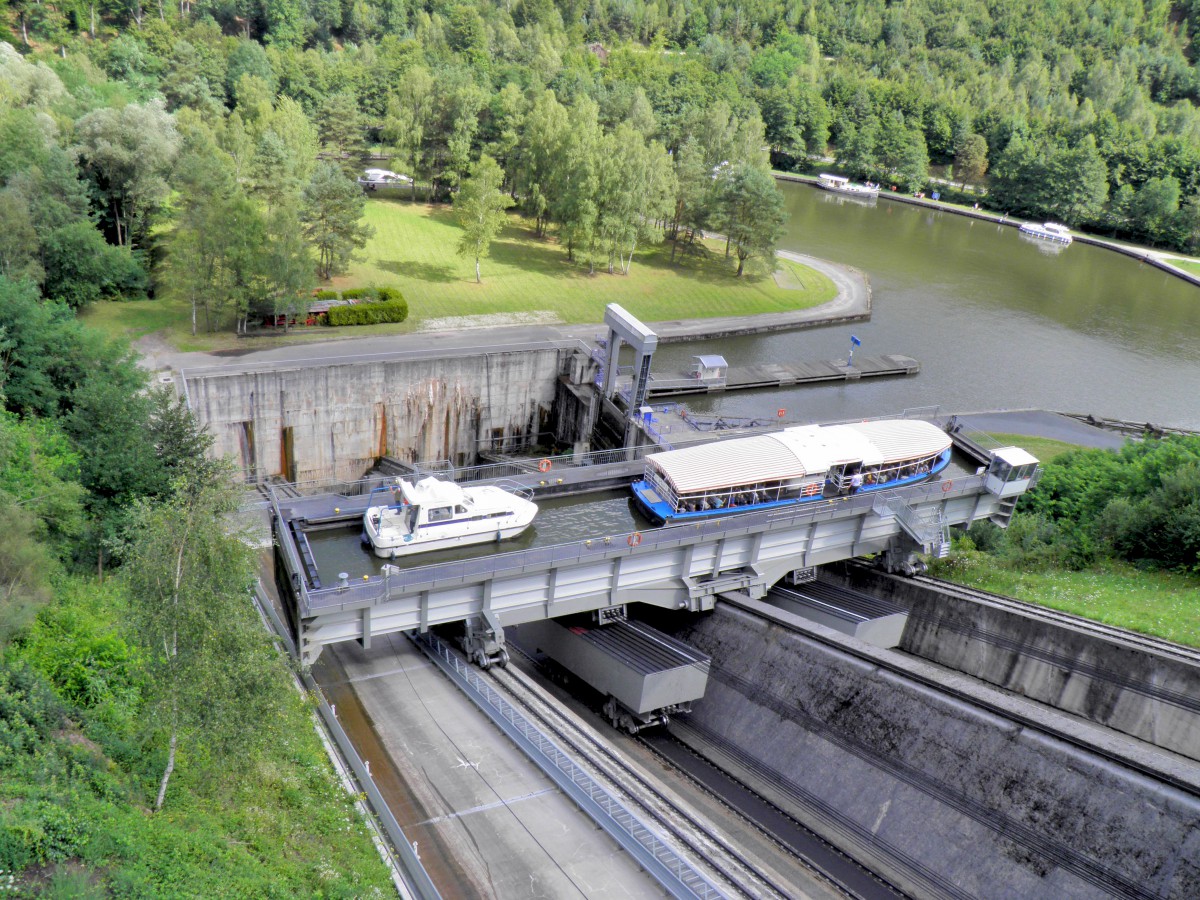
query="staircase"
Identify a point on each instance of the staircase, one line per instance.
(928, 527)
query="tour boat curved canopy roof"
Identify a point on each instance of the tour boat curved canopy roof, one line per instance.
(796, 453)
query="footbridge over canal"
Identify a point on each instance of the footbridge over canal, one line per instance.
(682, 567)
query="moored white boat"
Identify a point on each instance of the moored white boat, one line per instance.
(1049, 231)
(796, 465)
(438, 515)
(840, 185)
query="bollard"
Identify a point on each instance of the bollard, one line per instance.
(343, 580)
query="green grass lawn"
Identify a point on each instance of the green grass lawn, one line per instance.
(414, 249)
(524, 279)
(1158, 603)
(1045, 449)
(1188, 265)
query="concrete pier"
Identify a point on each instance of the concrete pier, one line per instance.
(773, 375)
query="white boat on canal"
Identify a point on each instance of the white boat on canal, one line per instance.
(439, 515)
(796, 465)
(1048, 231)
(840, 185)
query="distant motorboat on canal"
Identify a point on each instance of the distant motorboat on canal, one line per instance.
(796, 465)
(1048, 231)
(840, 185)
(438, 515)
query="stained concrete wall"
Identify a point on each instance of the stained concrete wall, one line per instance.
(873, 760)
(340, 418)
(1152, 697)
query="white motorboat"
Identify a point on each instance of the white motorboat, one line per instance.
(841, 185)
(1048, 231)
(439, 515)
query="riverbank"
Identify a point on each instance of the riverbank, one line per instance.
(1157, 258)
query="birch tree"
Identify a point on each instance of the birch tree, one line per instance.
(212, 678)
(479, 207)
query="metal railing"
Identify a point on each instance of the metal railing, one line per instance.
(407, 581)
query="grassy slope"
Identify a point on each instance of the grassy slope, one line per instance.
(1045, 449)
(79, 799)
(1158, 603)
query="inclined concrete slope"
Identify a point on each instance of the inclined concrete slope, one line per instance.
(852, 302)
(1132, 691)
(864, 755)
(484, 820)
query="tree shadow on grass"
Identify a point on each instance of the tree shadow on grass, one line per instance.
(420, 271)
(698, 264)
(536, 258)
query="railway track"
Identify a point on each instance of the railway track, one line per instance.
(733, 873)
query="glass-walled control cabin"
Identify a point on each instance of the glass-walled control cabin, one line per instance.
(1012, 471)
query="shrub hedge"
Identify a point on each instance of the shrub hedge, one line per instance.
(369, 313)
(325, 295)
(359, 294)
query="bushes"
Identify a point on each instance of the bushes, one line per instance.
(325, 295)
(359, 294)
(369, 313)
(1137, 506)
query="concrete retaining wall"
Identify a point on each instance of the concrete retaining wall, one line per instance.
(333, 422)
(1151, 697)
(869, 758)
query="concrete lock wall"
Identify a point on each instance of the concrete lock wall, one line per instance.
(334, 422)
(1136, 692)
(869, 758)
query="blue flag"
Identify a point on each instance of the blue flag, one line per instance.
(855, 341)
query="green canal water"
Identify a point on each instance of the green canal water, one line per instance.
(997, 320)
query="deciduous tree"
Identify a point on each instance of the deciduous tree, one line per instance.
(479, 208)
(750, 211)
(212, 677)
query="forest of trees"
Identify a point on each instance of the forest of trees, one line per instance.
(206, 150)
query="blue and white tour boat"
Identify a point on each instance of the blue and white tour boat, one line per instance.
(796, 465)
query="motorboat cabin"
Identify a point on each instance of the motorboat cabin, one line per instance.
(437, 515)
(796, 465)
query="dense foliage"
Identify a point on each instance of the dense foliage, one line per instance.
(1139, 506)
(369, 313)
(108, 686)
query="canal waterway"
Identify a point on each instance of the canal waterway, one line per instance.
(997, 320)
(560, 520)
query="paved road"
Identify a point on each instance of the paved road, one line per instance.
(1046, 424)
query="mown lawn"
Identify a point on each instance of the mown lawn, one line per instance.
(414, 249)
(524, 279)
(1045, 449)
